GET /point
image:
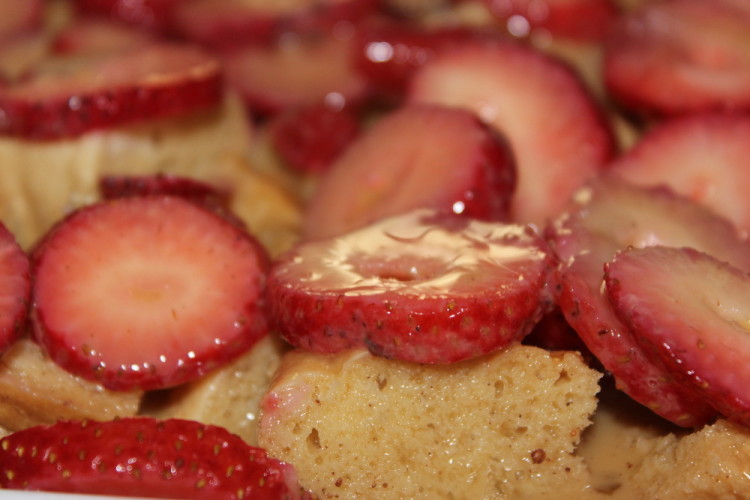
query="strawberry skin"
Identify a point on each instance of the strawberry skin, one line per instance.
(147, 292)
(423, 286)
(15, 288)
(66, 98)
(692, 309)
(396, 166)
(143, 457)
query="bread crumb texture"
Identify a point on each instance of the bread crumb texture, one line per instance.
(502, 426)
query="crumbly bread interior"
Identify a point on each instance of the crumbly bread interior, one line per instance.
(229, 396)
(40, 181)
(502, 426)
(34, 390)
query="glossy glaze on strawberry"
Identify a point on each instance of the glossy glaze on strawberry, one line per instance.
(423, 286)
(68, 97)
(15, 288)
(691, 309)
(143, 457)
(147, 292)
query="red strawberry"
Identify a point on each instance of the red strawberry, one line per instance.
(557, 133)
(310, 138)
(15, 288)
(611, 216)
(692, 309)
(143, 457)
(92, 36)
(680, 56)
(227, 24)
(587, 20)
(423, 287)
(414, 157)
(155, 15)
(705, 157)
(68, 97)
(296, 72)
(147, 292)
(20, 16)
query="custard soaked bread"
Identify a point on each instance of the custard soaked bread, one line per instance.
(502, 426)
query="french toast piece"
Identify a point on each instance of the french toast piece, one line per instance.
(708, 464)
(502, 426)
(34, 390)
(229, 396)
(40, 181)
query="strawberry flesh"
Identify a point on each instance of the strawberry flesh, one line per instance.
(147, 292)
(15, 288)
(423, 287)
(691, 308)
(557, 132)
(143, 457)
(68, 97)
(152, 15)
(680, 56)
(612, 215)
(396, 165)
(704, 156)
(92, 36)
(20, 16)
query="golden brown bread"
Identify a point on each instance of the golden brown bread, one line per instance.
(34, 390)
(503, 426)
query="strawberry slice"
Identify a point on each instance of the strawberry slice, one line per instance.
(396, 166)
(558, 134)
(296, 72)
(310, 138)
(142, 456)
(147, 292)
(613, 215)
(228, 24)
(153, 15)
(68, 97)
(692, 309)
(705, 157)
(15, 288)
(584, 20)
(423, 287)
(91, 36)
(680, 56)
(20, 16)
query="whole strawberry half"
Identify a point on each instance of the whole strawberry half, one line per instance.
(143, 457)
(15, 288)
(423, 286)
(147, 292)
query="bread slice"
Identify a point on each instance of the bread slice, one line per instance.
(502, 426)
(229, 396)
(34, 390)
(40, 181)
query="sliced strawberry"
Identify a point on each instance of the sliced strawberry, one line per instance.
(554, 127)
(423, 287)
(147, 292)
(19, 54)
(20, 16)
(414, 9)
(613, 215)
(154, 15)
(68, 97)
(310, 138)
(15, 288)
(680, 56)
(296, 72)
(586, 20)
(143, 457)
(705, 157)
(226, 24)
(414, 157)
(692, 309)
(388, 54)
(92, 36)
